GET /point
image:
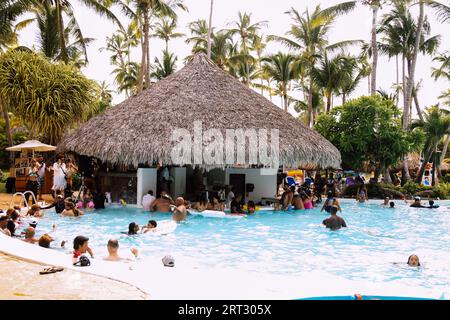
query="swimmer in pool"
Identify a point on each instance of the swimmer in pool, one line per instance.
(413, 261)
(113, 255)
(392, 205)
(150, 227)
(133, 228)
(432, 205)
(179, 210)
(385, 202)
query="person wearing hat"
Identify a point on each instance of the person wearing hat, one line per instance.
(58, 203)
(162, 204)
(416, 203)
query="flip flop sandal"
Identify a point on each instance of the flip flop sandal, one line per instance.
(51, 270)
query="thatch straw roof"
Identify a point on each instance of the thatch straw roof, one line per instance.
(139, 129)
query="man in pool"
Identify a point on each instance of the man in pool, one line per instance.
(113, 248)
(334, 222)
(151, 226)
(416, 203)
(162, 204)
(385, 202)
(179, 210)
(391, 205)
(80, 246)
(236, 204)
(432, 205)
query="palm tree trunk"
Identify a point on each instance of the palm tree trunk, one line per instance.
(410, 82)
(416, 103)
(210, 28)
(445, 148)
(143, 62)
(373, 84)
(343, 98)
(62, 40)
(328, 94)
(310, 106)
(147, 49)
(167, 45)
(397, 80)
(285, 98)
(422, 168)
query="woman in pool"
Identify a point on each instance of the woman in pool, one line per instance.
(413, 261)
(70, 210)
(331, 202)
(361, 196)
(307, 199)
(133, 229)
(35, 211)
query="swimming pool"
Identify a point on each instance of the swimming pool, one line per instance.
(283, 243)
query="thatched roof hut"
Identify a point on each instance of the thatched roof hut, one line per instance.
(139, 129)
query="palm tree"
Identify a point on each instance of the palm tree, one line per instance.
(354, 69)
(436, 125)
(10, 10)
(65, 7)
(127, 78)
(165, 67)
(309, 32)
(142, 12)
(49, 97)
(281, 68)
(444, 69)
(165, 30)
(247, 32)
(399, 37)
(199, 35)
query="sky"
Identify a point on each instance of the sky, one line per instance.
(356, 25)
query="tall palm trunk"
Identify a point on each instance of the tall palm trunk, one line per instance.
(416, 103)
(410, 83)
(210, 28)
(343, 98)
(140, 86)
(285, 97)
(445, 148)
(62, 40)
(310, 106)
(397, 80)
(328, 95)
(373, 83)
(147, 49)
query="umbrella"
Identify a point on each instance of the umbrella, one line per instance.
(33, 145)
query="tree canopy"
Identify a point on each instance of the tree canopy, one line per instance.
(368, 129)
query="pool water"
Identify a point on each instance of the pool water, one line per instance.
(374, 247)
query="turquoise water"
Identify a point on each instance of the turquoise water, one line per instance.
(374, 247)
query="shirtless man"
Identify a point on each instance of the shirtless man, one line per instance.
(334, 222)
(162, 204)
(297, 202)
(179, 212)
(113, 248)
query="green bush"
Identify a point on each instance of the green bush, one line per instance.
(446, 178)
(442, 190)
